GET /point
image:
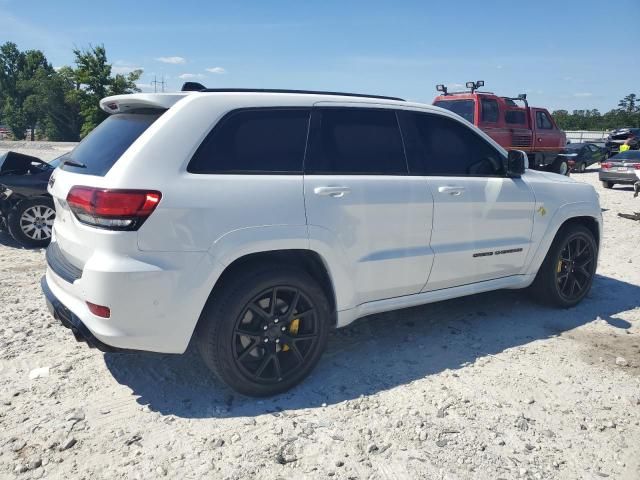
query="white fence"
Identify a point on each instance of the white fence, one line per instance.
(579, 136)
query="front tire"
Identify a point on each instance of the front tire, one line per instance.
(30, 222)
(264, 329)
(582, 167)
(567, 272)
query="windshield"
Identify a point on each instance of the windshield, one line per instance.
(628, 155)
(102, 148)
(464, 108)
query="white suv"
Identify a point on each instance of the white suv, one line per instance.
(253, 222)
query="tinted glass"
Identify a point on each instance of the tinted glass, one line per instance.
(438, 145)
(489, 110)
(542, 121)
(102, 148)
(254, 141)
(515, 117)
(56, 162)
(464, 108)
(628, 155)
(355, 141)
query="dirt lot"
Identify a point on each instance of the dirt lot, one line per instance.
(488, 387)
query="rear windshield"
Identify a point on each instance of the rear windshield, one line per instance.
(464, 108)
(102, 148)
(628, 155)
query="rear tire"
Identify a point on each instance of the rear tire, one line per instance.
(560, 166)
(249, 341)
(606, 184)
(582, 167)
(31, 222)
(566, 274)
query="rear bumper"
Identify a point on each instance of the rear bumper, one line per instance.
(618, 177)
(155, 302)
(71, 321)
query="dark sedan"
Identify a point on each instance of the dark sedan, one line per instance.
(620, 168)
(26, 209)
(582, 155)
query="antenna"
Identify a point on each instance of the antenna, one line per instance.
(155, 84)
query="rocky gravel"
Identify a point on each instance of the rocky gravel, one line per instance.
(491, 386)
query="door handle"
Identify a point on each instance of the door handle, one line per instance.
(335, 192)
(452, 190)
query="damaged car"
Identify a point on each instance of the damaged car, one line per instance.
(619, 137)
(26, 209)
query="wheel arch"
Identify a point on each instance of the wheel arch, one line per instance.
(309, 260)
(580, 213)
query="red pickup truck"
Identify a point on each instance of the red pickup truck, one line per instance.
(526, 128)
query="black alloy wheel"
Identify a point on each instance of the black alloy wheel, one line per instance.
(575, 267)
(567, 272)
(264, 328)
(275, 334)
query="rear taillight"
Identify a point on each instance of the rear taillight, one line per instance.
(636, 166)
(99, 310)
(605, 165)
(112, 209)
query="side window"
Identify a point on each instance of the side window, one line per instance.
(543, 121)
(254, 141)
(515, 117)
(489, 110)
(437, 145)
(355, 141)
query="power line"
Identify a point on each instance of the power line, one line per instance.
(155, 84)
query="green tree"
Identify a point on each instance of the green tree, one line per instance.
(626, 115)
(628, 104)
(64, 120)
(23, 78)
(93, 73)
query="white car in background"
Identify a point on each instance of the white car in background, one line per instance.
(256, 221)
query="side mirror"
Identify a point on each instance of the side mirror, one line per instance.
(517, 162)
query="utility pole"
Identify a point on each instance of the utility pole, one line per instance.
(155, 84)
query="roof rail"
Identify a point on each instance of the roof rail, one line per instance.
(309, 92)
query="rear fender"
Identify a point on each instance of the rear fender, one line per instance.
(246, 241)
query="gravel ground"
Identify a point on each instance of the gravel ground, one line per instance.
(492, 386)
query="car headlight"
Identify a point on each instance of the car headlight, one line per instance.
(5, 192)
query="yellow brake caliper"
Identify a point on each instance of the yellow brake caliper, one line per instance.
(293, 330)
(559, 269)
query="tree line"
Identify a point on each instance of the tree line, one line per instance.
(57, 104)
(626, 115)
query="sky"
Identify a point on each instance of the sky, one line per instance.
(564, 53)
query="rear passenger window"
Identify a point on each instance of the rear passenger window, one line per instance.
(489, 110)
(515, 117)
(355, 141)
(254, 141)
(437, 145)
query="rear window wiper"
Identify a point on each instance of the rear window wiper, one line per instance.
(72, 163)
